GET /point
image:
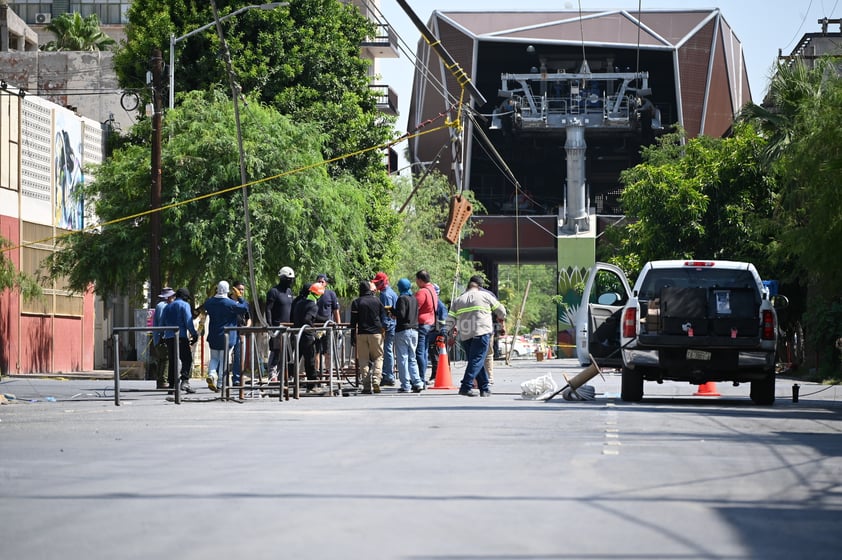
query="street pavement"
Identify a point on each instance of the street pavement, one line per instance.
(419, 476)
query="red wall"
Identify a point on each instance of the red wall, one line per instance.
(9, 303)
(42, 343)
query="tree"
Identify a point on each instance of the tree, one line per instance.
(803, 105)
(810, 210)
(791, 86)
(302, 59)
(540, 311)
(13, 279)
(421, 245)
(74, 33)
(699, 198)
(300, 216)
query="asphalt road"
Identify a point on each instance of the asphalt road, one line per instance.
(423, 476)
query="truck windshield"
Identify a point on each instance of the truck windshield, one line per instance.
(657, 279)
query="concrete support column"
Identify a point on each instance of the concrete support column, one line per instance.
(576, 211)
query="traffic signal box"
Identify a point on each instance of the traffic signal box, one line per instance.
(460, 210)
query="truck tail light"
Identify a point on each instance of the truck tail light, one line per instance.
(768, 332)
(630, 323)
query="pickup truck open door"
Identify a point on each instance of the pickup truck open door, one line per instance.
(597, 320)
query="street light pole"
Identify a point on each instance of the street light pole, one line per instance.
(174, 39)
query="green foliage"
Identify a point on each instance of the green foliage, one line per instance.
(791, 86)
(810, 202)
(421, 244)
(13, 279)
(302, 59)
(297, 215)
(697, 198)
(801, 125)
(540, 310)
(824, 320)
(75, 33)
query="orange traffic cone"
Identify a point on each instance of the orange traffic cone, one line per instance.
(707, 390)
(443, 380)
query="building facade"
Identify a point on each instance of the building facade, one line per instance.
(566, 101)
(44, 92)
(43, 151)
(695, 77)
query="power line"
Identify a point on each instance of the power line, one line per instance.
(798, 31)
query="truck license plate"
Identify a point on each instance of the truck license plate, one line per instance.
(697, 355)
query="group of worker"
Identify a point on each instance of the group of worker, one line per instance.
(392, 333)
(226, 308)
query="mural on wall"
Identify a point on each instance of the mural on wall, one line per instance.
(68, 176)
(576, 255)
(571, 281)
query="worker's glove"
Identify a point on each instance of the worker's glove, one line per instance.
(236, 294)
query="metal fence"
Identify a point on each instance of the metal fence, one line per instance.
(340, 372)
(340, 367)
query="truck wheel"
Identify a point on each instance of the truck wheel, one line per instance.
(631, 385)
(763, 392)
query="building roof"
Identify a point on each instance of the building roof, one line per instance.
(693, 61)
(650, 29)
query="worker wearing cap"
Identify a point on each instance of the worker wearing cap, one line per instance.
(428, 301)
(328, 305)
(162, 354)
(471, 317)
(179, 314)
(305, 313)
(406, 338)
(388, 298)
(367, 315)
(278, 312)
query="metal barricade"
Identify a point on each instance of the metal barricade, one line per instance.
(339, 366)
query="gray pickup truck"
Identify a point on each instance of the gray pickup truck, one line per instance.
(695, 321)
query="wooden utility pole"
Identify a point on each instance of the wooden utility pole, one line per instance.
(155, 198)
(517, 323)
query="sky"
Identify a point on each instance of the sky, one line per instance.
(762, 26)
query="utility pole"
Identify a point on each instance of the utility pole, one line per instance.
(155, 199)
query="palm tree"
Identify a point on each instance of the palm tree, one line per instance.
(73, 33)
(790, 87)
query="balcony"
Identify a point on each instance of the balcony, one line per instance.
(387, 98)
(384, 44)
